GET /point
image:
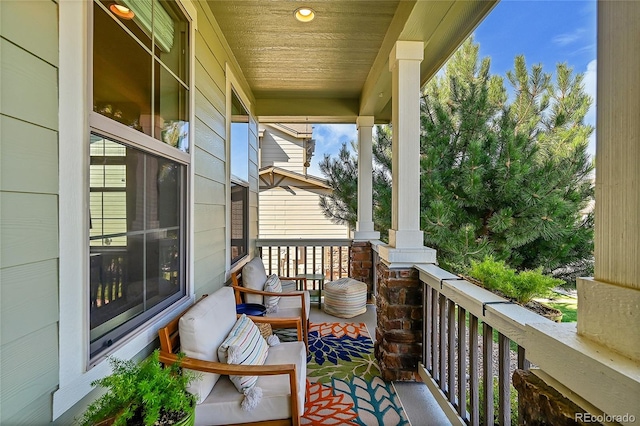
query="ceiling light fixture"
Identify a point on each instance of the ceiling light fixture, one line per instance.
(122, 11)
(304, 14)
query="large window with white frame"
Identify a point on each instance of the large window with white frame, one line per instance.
(138, 166)
(239, 179)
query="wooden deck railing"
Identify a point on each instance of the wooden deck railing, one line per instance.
(453, 311)
(291, 257)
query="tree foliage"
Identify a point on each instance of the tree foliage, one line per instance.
(503, 176)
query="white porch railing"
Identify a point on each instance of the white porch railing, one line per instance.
(453, 309)
(290, 257)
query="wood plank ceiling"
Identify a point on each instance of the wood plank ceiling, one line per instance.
(337, 63)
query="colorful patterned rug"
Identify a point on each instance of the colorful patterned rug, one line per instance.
(343, 380)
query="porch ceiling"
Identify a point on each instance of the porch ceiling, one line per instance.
(336, 67)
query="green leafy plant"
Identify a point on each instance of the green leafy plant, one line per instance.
(521, 286)
(142, 394)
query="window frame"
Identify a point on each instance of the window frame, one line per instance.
(76, 120)
(239, 182)
(166, 303)
(234, 87)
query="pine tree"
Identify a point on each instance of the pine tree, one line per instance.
(508, 179)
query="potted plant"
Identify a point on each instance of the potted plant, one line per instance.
(143, 394)
(520, 287)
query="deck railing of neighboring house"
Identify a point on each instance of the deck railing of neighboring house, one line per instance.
(453, 310)
(291, 257)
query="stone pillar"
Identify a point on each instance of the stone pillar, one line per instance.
(362, 264)
(541, 404)
(398, 347)
(610, 303)
(364, 225)
(404, 64)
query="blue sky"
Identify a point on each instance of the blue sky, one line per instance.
(544, 31)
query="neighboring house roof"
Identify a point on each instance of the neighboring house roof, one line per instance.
(272, 177)
(296, 130)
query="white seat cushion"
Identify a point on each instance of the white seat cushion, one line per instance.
(290, 307)
(202, 329)
(254, 276)
(222, 406)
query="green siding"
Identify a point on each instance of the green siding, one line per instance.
(29, 370)
(29, 185)
(29, 24)
(28, 210)
(208, 214)
(25, 148)
(29, 227)
(210, 157)
(208, 192)
(38, 413)
(209, 141)
(210, 273)
(29, 90)
(28, 288)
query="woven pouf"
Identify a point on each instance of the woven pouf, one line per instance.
(345, 298)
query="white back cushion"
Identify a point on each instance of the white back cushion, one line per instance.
(254, 277)
(202, 329)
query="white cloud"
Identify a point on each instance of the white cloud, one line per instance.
(590, 88)
(329, 138)
(332, 135)
(569, 38)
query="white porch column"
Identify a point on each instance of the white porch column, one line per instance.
(610, 303)
(364, 225)
(405, 236)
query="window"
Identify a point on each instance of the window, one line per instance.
(141, 84)
(239, 180)
(137, 178)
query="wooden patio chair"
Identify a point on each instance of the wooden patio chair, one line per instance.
(200, 330)
(250, 283)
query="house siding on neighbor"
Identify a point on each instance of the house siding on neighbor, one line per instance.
(289, 197)
(291, 210)
(279, 149)
(29, 221)
(29, 210)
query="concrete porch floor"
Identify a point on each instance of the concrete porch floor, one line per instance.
(420, 406)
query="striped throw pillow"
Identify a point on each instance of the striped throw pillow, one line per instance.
(244, 346)
(273, 285)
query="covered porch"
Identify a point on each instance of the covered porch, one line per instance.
(361, 62)
(427, 319)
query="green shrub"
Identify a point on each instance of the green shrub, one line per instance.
(521, 286)
(141, 393)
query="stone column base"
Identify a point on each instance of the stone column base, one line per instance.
(362, 265)
(540, 404)
(398, 346)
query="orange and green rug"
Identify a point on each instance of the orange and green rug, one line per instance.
(343, 380)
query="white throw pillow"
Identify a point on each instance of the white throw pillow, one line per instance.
(245, 346)
(272, 285)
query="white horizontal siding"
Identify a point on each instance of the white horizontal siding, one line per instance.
(285, 215)
(281, 151)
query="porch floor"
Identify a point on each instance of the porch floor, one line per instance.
(420, 406)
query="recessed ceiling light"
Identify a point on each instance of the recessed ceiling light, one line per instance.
(122, 11)
(304, 14)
